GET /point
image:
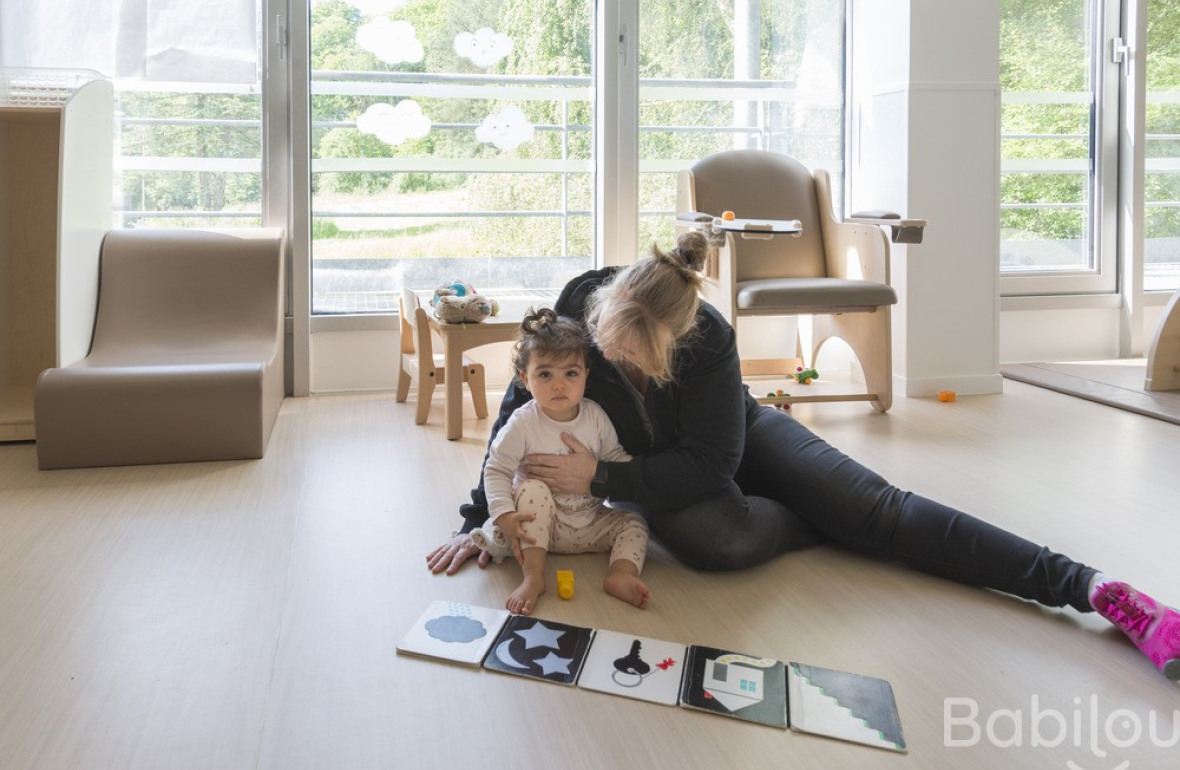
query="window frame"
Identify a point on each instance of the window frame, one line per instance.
(1102, 216)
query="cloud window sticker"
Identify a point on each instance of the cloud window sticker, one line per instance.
(507, 129)
(393, 42)
(484, 47)
(394, 125)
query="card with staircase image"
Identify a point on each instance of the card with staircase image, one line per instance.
(454, 631)
(735, 685)
(541, 649)
(846, 706)
(634, 667)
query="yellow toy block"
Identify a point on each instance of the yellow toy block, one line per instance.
(565, 583)
(946, 396)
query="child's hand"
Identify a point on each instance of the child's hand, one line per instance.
(511, 524)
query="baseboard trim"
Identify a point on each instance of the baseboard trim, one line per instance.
(968, 385)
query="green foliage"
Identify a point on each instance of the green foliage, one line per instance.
(1045, 45)
(204, 190)
(323, 228)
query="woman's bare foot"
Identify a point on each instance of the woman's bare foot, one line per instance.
(524, 598)
(627, 587)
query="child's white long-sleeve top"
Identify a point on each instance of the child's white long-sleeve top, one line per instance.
(530, 431)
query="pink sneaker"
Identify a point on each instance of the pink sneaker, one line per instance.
(1154, 628)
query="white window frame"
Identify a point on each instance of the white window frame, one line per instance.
(287, 146)
(1103, 214)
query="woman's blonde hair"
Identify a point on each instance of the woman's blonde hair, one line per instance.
(652, 304)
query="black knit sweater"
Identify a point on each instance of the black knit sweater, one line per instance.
(686, 437)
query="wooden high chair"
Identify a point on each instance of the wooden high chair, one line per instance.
(419, 364)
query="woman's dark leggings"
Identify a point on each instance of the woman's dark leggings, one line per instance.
(794, 490)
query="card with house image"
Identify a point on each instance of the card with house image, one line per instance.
(735, 685)
(541, 649)
(841, 705)
(453, 631)
(634, 667)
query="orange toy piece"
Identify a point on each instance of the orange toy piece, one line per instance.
(728, 216)
(565, 583)
(946, 396)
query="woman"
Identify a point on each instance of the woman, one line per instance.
(725, 483)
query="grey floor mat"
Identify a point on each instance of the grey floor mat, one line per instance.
(1114, 383)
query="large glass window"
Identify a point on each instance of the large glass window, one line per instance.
(456, 139)
(713, 76)
(450, 140)
(188, 148)
(1161, 248)
(1055, 175)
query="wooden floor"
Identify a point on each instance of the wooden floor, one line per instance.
(244, 614)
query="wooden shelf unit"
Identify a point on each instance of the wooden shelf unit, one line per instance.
(55, 206)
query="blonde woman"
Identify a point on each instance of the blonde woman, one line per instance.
(725, 483)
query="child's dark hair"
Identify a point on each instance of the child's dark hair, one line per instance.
(544, 333)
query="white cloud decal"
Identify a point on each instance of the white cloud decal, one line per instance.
(394, 125)
(393, 42)
(484, 47)
(507, 129)
(376, 7)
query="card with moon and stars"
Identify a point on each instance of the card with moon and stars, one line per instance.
(540, 649)
(735, 685)
(454, 631)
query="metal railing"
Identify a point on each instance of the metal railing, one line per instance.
(488, 87)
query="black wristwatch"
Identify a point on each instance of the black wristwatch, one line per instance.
(598, 483)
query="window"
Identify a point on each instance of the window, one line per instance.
(457, 139)
(1058, 147)
(450, 140)
(716, 76)
(1161, 248)
(188, 99)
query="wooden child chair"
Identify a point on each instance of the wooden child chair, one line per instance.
(419, 364)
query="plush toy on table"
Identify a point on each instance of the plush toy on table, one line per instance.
(458, 302)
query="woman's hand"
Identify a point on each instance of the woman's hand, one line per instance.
(570, 473)
(450, 555)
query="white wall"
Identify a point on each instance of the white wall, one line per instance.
(1067, 334)
(344, 361)
(924, 88)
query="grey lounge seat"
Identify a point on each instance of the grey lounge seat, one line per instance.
(186, 362)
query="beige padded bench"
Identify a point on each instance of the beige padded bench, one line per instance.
(186, 362)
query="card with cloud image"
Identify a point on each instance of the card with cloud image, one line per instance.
(454, 631)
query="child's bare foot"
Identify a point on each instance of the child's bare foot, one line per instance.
(627, 587)
(524, 598)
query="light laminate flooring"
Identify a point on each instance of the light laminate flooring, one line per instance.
(244, 614)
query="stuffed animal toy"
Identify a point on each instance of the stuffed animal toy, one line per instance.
(458, 302)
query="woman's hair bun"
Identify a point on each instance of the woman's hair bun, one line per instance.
(692, 248)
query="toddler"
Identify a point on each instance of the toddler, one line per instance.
(550, 359)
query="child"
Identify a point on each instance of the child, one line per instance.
(550, 359)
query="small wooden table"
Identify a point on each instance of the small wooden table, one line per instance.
(456, 339)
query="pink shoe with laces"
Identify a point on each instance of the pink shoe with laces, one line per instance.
(1153, 627)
